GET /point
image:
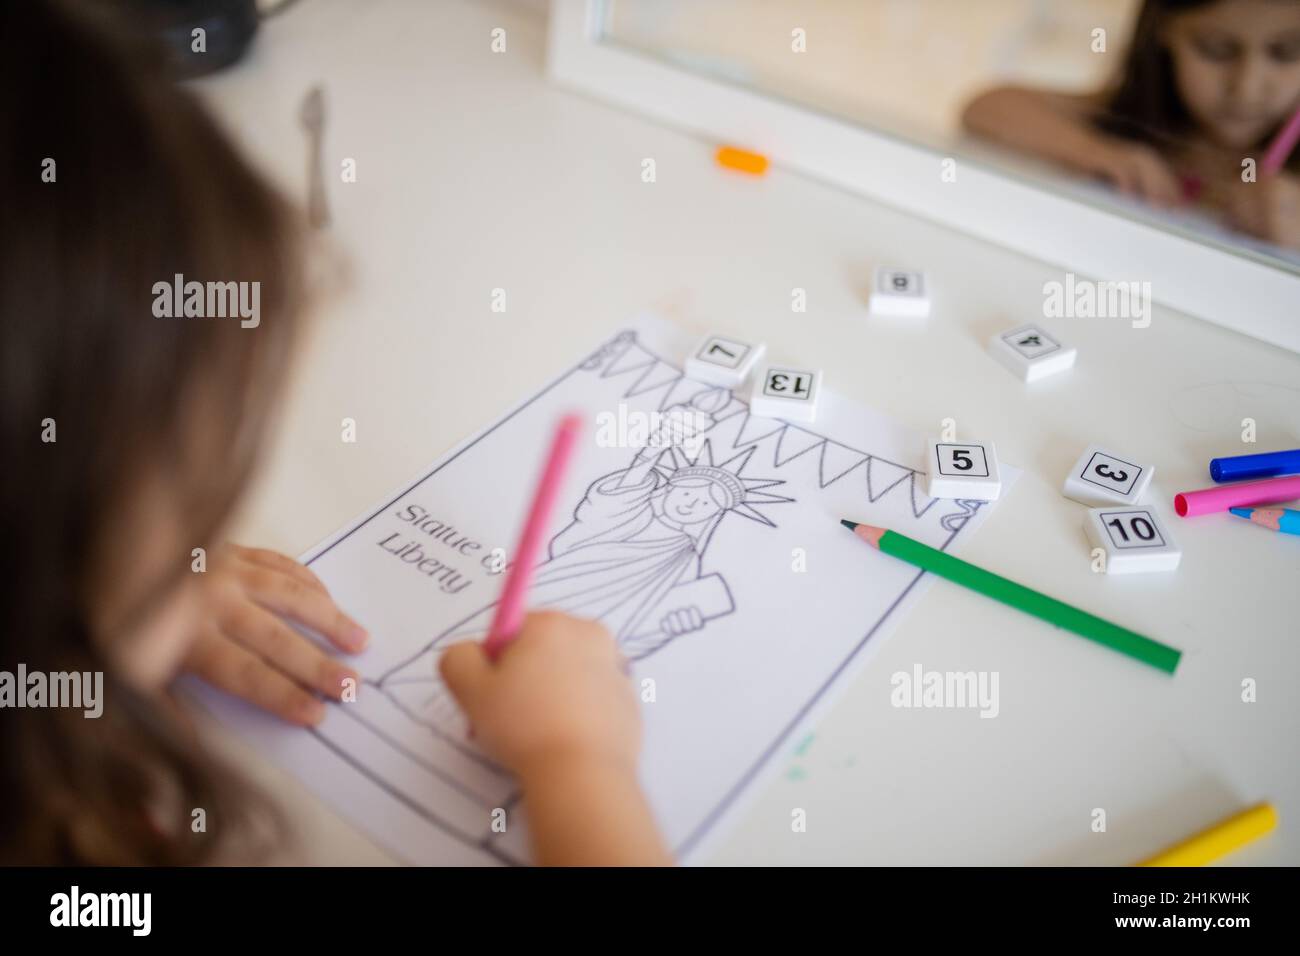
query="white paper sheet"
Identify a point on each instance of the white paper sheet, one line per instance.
(789, 601)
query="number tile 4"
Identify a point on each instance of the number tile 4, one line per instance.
(1031, 352)
(967, 469)
(1101, 477)
(719, 360)
(786, 393)
(1134, 539)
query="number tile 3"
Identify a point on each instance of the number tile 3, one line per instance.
(1101, 477)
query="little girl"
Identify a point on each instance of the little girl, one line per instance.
(1205, 84)
(129, 438)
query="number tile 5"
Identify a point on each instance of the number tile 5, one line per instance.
(967, 469)
(1134, 540)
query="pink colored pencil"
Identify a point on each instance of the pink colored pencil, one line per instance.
(1239, 494)
(514, 596)
(1279, 151)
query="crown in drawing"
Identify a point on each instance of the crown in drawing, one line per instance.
(742, 493)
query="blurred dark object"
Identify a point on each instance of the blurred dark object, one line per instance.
(312, 117)
(228, 27)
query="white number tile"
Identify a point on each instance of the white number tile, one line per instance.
(900, 292)
(963, 470)
(719, 360)
(1101, 477)
(1134, 539)
(1031, 352)
(786, 393)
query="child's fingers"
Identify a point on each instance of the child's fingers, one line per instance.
(1246, 208)
(563, 629)
(282, 563)
(1156, 186)
(291, 598)
(288, 651)
(236, 670)
(465, 668)
(1127, 183)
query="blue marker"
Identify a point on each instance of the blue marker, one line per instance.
(1267, 465)
(1275, 519)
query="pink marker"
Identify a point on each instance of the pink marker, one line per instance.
(1279, 151)
(513, 604)
(1239, 494)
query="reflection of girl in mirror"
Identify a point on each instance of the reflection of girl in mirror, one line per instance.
(1205, 85)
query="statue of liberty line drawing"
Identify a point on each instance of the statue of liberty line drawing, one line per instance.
(632, 555)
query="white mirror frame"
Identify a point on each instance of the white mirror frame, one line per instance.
(1193, 277)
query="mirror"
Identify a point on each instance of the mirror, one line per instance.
(1181, 113)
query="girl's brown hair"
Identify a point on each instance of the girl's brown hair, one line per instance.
(114, 180)
(1146, 104)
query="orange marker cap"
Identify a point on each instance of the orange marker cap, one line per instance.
(742, 159)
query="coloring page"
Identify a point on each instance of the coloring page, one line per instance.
(705, 538)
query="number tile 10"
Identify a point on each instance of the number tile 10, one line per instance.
(1134, 539)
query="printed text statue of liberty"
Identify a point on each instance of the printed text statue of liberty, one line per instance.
(632, 557)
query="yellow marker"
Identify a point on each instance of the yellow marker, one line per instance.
(1220, 839)
(753, 163)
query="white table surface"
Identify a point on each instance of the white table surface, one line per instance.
(475, 174)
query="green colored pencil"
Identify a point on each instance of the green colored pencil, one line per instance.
(1018, 596)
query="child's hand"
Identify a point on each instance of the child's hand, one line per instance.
(1137, 170)
(558, 693)
(245, 646)
(557, 708)
(1269, 209)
